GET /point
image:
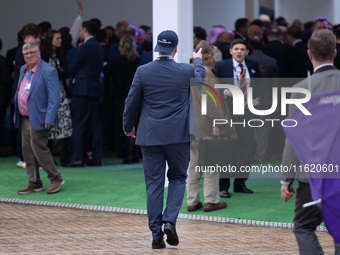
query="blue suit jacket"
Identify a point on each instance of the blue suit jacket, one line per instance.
(85, 69)
(43, 98)
(161, 90)
(225, 69)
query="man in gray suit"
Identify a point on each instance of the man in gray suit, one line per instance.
(161, 91)
(325, 78)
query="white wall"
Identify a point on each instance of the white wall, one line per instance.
(218, 12)
(137, 12)
(304, 10)
(16, 13)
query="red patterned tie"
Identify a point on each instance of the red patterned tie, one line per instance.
(243, 84)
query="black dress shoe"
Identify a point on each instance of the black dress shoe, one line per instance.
(158, 244)
(243, 189)
(128, 161)
(93, 162)
(170, 231)
(73, 163)
(225, 194)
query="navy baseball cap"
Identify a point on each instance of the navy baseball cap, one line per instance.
(166, 41)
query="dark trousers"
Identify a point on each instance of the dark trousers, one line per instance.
(154, 161)
(37, 153)
(242, 155)
(306, 220)
(86, 110)
(16, 135)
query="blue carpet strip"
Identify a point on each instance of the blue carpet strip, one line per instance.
(143, 212)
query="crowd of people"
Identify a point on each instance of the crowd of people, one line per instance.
(279, 49)
(93, 70)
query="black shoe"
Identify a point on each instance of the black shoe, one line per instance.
(93, 162)
(243, 189)
(73, 163)
(225, 194)
(170, 231)
(128, 161)
(158, 244)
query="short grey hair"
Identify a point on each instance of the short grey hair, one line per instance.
(29, 46)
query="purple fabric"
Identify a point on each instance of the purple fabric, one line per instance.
(316, 140)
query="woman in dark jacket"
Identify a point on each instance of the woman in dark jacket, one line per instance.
(122, 73)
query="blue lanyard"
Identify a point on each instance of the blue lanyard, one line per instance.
(29, 77)
(164, 57)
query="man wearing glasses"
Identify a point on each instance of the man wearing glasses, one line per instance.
(36, 103)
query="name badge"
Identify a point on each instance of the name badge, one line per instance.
(28, 85)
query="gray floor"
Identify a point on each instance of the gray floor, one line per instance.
(32, 229)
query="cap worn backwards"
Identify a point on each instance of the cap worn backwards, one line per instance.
(166, 42)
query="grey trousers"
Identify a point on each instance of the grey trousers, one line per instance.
(211, 181)
(306, 221)
(37, 153)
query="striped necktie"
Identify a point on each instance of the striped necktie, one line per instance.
(243, 84)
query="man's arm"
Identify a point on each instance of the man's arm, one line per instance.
(53, 90)
(78, 61)
(75, 28)
(132, 105)
(199, 71)
(291, 162)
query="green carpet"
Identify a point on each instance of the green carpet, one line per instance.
(118, 185)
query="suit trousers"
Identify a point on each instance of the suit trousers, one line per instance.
(262, 139)
(86, 110)
(243, 155)
(37, 153)
(154, 162)
(306, 221)
(211, 181)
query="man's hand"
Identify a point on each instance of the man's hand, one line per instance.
(47, 126)
(197, 54)
(285, 193)
(228, 93)
(256, 102)
(216, 131)
(81, 8)
(131, 133)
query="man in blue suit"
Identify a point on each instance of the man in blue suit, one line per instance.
(234, 68)
(161, 91)
(85, 88)
(36, 103)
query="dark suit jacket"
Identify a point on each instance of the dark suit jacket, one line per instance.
(337, 58)
(301, 62)
(5, 86)
(161, 89)
(86, 68)
(19, 62)
(283, 55)
(225, 69)
(43, 98)
(268, 63)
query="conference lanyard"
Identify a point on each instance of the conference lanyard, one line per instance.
(28, 84)
(29, 77)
